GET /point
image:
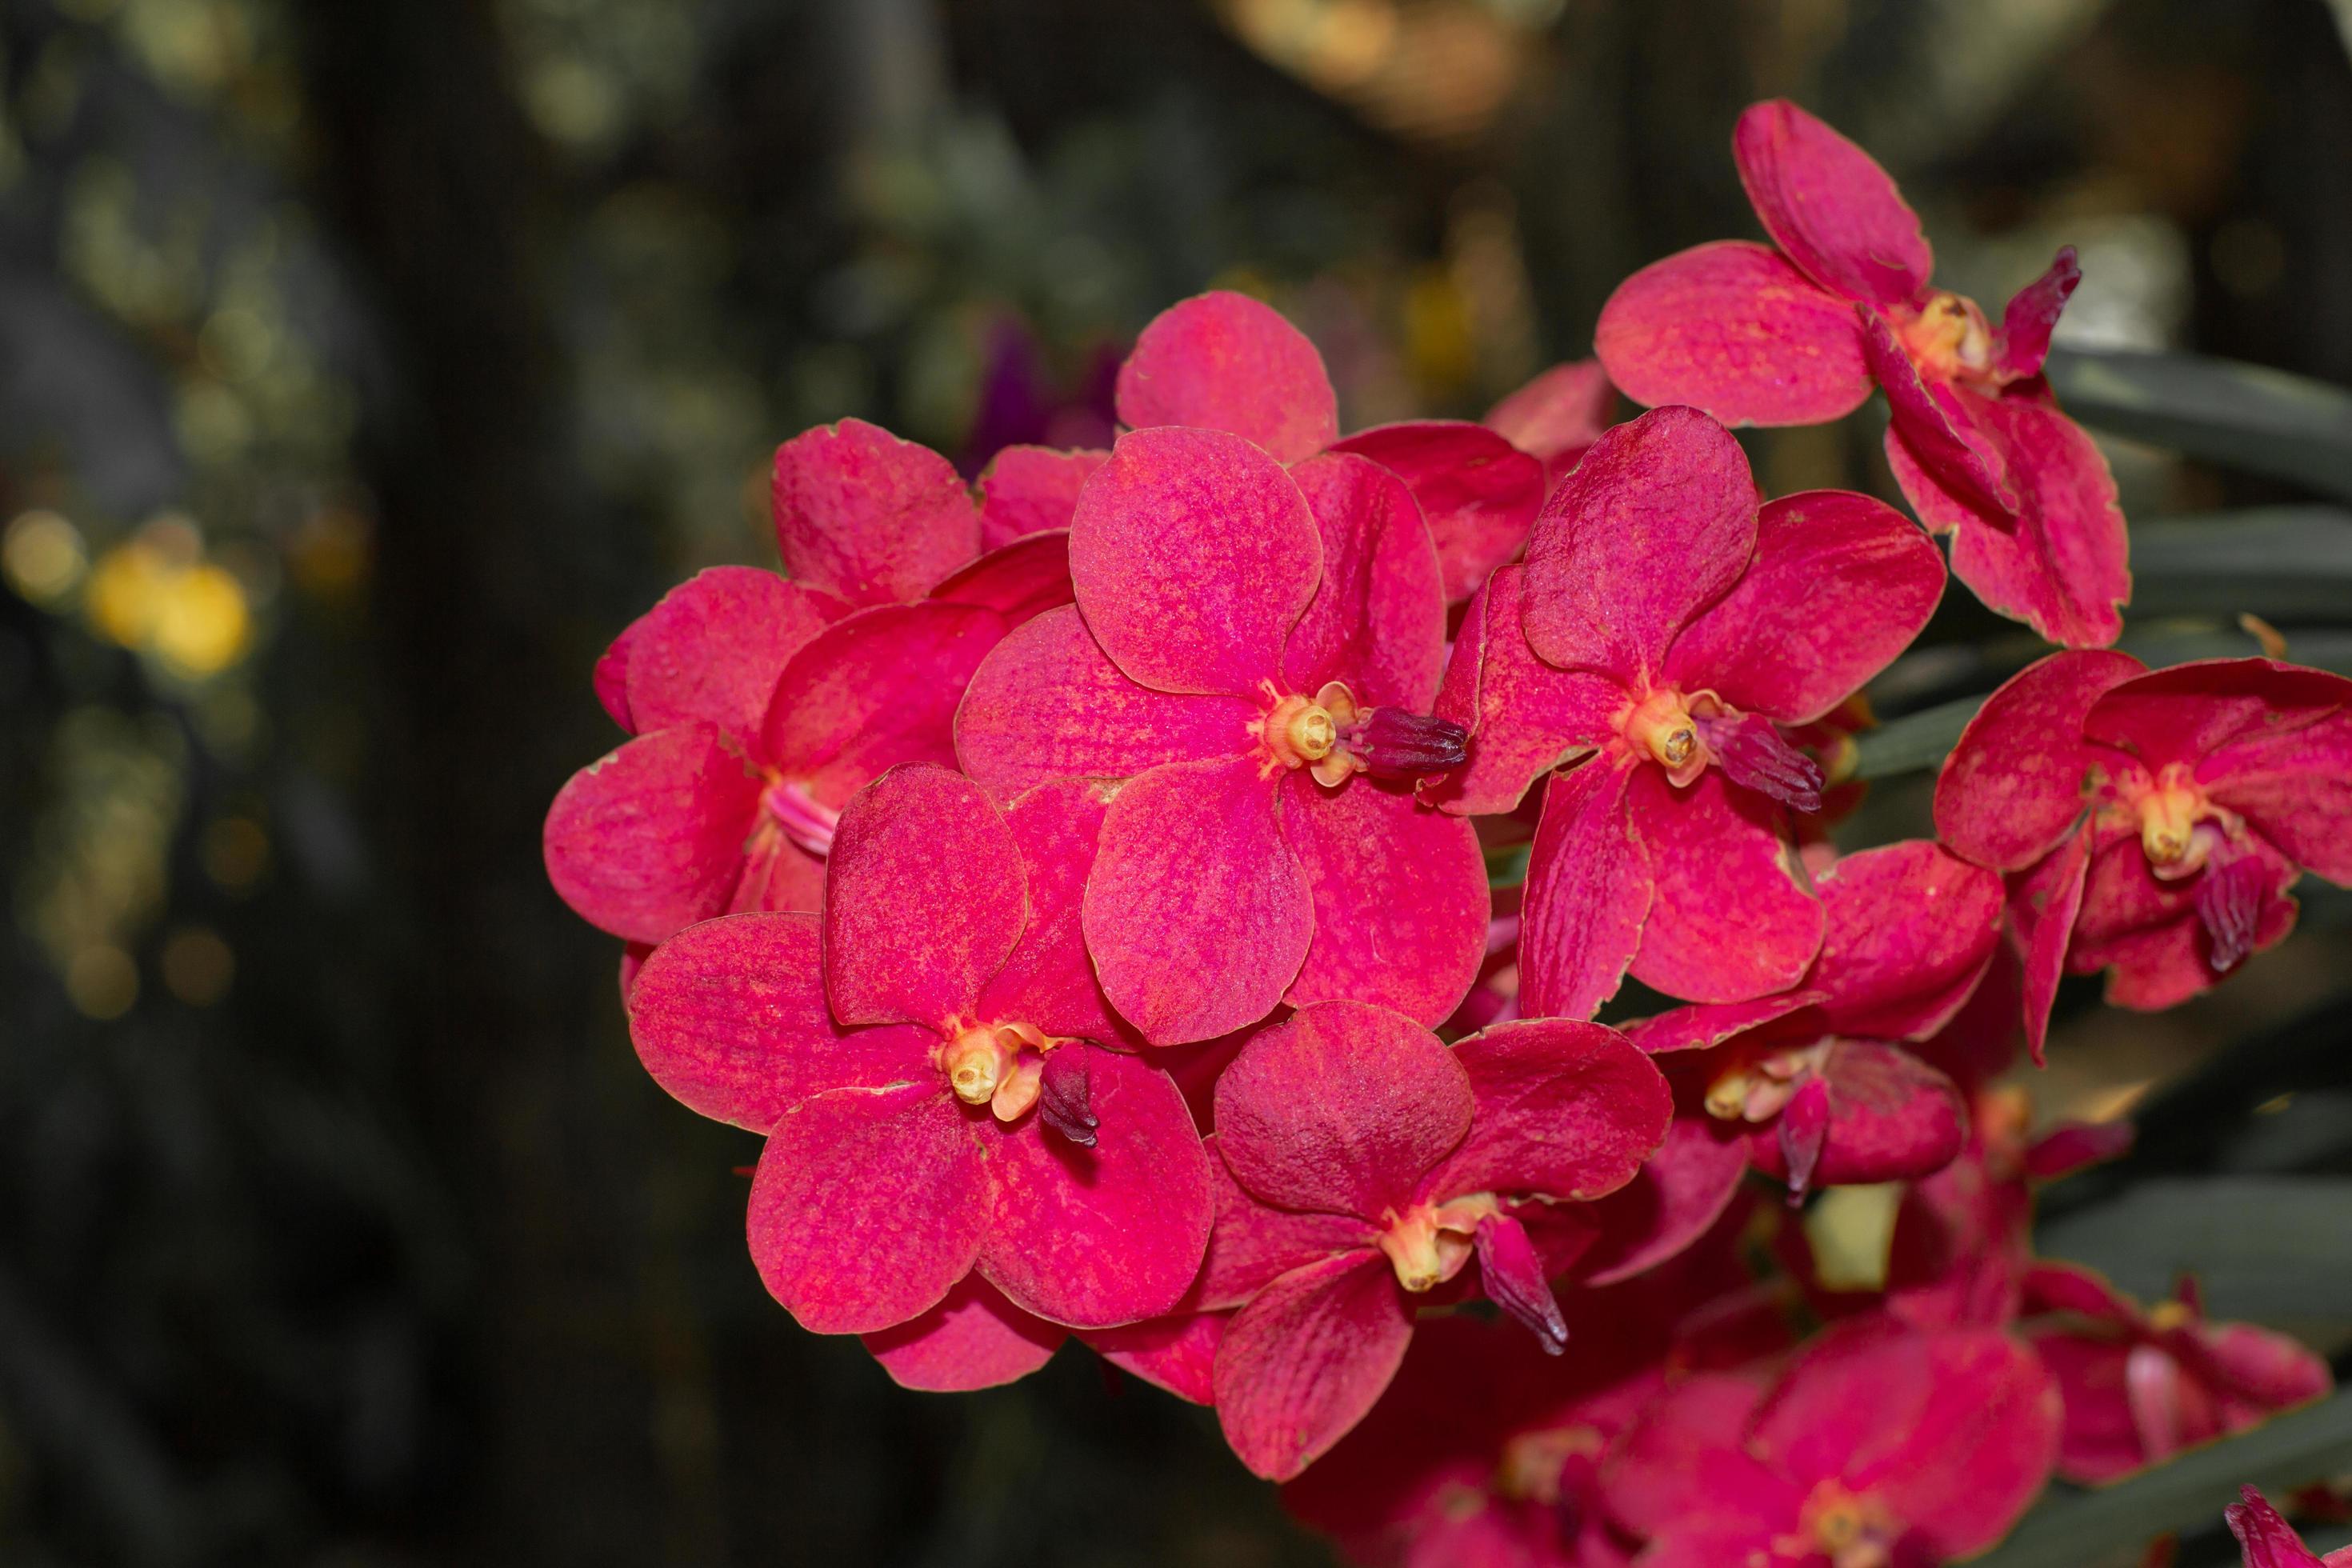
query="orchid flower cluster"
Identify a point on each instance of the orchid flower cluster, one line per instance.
(1080, 881)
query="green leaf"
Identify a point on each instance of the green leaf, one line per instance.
(2280, 563)
(1915, 740)
(2238, 415)
(2071, 1529)
(2252, 1241)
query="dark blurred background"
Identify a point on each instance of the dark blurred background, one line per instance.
(366, 364)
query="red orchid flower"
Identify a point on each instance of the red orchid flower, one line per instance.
(1248, 645)
(1963, 1239)
(2141, 1385)
(1485, 1450)
(2270, 1541)
(760, 705)
(1799, 335)
(1226, 361)
(1815, 1073)
(1368, 1167)
(1660, 634)
(976, 1338)
(2151, 823)
(1880, 1447)
(936, 1089)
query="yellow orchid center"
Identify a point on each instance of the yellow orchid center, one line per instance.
(1532, 1462)
(1756, 1088)
(1851, 1531)
(1949, 339)
(1428, 1244)
(1661, 727)
(1001, 1066)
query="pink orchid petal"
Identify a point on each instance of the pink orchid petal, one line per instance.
(874, 689)
(2059, 563)
(1255, 1242)
(1702, 1024)
(1047, 703)
(1226, 362)
(2072, 1146)
(1734, 328)
(2044, 908)
(974, 1339)
(730, 1017)
(1194, 555)
(2180, 714)
(924, 900)
(1018, 579)
(1829, 205)
(778, 875)
(1732, 917)
(1307, 1359)
(1524, 716)
(1801, 1135)
(1682, 1468)
(1588, 891)
(2055, 1287)
(1177, 1354)
(1889, 1117)
(1909, 930)
(1565, 1110)
(1031, 489)
(1341, 1110)
(1478, 491)
(2269, 1540)
(2013, 786)
(1952, 1433)
(1388, 877)
(2098, 1442)
(868, 1206)
(1514, 1277)
(1657, 522)
(612, 675)
(1378, 618)
(1049, 982)
(1841, 584)
(2152, 1388)
(715, 645)
(650, 838)
(868, 518)
(1932, 425)
(2296, 789)
(2161, 966)
(2032, 312)
(1557, 416)
(1198, 914)
(2255, 1367)
(1677, 1198)
(1091, 1238)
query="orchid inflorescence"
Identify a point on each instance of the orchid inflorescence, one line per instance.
(1080, 881)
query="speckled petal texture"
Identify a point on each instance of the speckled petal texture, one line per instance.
(868, 518)
(1828, 205)
(1307, 1358)
(1342, 1110)
(974, 1339)
(1656, 523)
(1093, 1237)
(925, 899)
(1478, 491)
(1226, 362)
(1736, 328)
(1400, 896)
(1198, 914)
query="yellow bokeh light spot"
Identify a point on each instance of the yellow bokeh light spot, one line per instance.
(126, 590)
(198, 965)
(102, 982)
(204, 626)
(43, 557)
